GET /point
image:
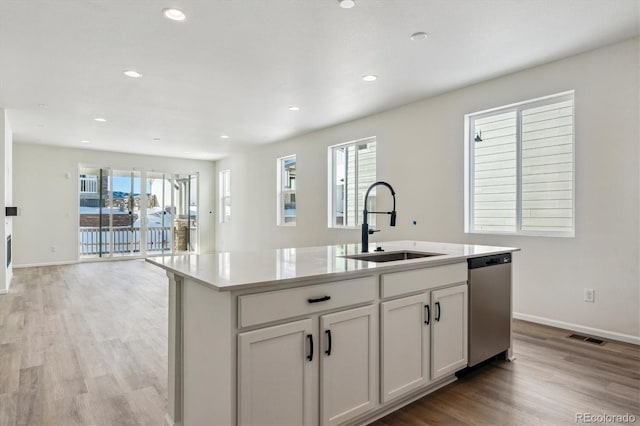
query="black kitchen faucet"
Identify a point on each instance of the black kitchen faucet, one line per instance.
(365, 225)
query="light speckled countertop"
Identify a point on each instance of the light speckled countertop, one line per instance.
(226, 271)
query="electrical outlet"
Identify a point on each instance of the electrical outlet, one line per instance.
(53, 249)
(589, 294)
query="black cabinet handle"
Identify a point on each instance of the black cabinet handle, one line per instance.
(310, 338)
(437, 311)
(427, 314)
(328, 351)
(319, 299)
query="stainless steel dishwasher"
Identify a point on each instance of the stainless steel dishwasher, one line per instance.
(489, 306)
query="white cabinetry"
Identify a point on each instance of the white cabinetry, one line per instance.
(348, 364)
(285, 371)
(424, 336)
(405, 345)
(277, 375)
(449, 334)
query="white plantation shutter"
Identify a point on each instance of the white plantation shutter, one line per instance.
(520, 168)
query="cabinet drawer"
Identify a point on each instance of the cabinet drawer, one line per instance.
(404, 282)
(281, 304)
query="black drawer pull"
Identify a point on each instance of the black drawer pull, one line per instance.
(328, 351)
(310, 356)
(319, 299)
(437, 311)
(427, 314)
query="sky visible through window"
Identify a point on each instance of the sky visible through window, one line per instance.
(123, 184)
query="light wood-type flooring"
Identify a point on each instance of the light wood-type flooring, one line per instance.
(86, 344)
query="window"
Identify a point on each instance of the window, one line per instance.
(287, 191)
(224, 182)
(520, 168)
(352, 170)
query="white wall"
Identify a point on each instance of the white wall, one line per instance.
(6, 148)
(421, 151)
(48, 200)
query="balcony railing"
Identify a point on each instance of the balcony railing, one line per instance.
(89, 185)
(94, 241)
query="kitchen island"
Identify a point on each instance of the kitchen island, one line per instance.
(313, 335)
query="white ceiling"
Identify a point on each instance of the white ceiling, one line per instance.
(235, 66)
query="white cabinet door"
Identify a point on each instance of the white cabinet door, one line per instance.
(405, 345)
(278, 375)
(349, 364)
(449, 334)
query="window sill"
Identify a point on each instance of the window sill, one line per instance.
(286, 225)
(347, 228)
(525, 234)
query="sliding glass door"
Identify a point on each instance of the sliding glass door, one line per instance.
(132, 213)
(95, 215)
(160, 213)
(185, 223)
(125, 212)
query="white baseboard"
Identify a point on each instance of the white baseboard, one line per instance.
(34, 265)
(611, 335)
(4, 291)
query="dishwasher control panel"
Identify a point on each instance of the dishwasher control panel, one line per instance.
(496, 259)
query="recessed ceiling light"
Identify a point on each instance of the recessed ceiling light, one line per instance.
(174, 14)
(43, 106)
(369, 77)
(418, 36)
(294, 108)
(84, 141)
(347, 4)
(156, 139)
(224, 136)
(100, 119)
(132, 73)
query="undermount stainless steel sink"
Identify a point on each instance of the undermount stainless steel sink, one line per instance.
(391, 256)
